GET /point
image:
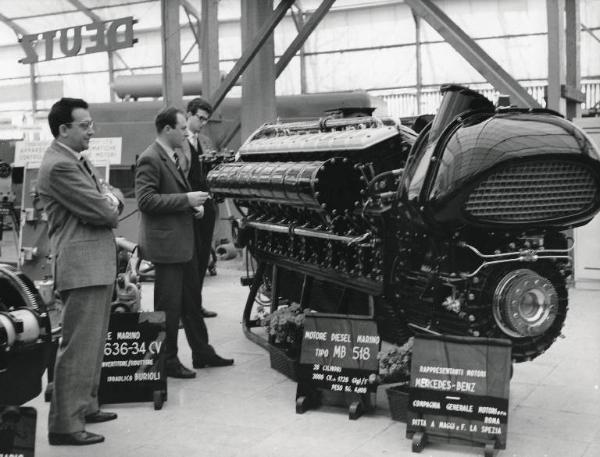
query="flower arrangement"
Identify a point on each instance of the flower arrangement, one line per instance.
(394, 364)
(284, 326)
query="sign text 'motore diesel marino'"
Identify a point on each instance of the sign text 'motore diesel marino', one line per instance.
(340, 354)
(77, 40)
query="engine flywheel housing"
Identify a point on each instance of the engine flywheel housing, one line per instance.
(525, 304)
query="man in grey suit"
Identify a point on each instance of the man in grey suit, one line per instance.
(167, 238)
(82, 211)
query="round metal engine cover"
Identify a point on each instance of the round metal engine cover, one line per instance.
(525, 304)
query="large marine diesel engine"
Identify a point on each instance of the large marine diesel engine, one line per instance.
(461, 230)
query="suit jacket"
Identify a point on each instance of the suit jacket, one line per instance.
(195, 169)
(80, 221)
(196, 174)
(167, 224)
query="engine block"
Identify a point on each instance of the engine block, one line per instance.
(458, 230)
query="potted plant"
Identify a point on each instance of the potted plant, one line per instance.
(284, 327)
(394, 369)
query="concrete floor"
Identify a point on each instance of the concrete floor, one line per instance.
(248, 409)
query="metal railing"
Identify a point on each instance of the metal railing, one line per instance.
(402, 102)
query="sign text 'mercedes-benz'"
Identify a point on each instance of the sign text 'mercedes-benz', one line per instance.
(79, 39)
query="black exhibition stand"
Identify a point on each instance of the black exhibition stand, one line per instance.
(133, 369)
(459, 392)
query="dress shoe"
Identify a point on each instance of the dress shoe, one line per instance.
(207, 313)
(75, 439)
(214, 361)
(179, 371)
(99, 416)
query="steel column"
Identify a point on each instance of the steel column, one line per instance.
(573, 55)
(250, 51)
(556, 52)
(299, 23)
(209, 60)
(258, 85)
(171, 53)
(419, 63)
(289, 53)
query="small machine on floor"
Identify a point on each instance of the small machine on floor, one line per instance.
(27, 345)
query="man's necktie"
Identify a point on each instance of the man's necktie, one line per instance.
(87, 167)
(178, 166)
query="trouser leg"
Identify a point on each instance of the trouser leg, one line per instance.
(204, 234)
(103, 328)
(191, 314)
(81, 343)
(168, 294)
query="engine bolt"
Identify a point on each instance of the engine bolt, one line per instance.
(471, 318)
(475, 333)
(471, 297)
(475, 280)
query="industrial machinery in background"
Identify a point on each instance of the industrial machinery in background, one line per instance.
(458, 231)
(25, 337)
(9, 216)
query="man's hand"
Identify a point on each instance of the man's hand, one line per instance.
(114, 195)
(198, 212)
(197, 198)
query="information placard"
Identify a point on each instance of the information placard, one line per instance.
(459, 389)
(101, 151)
(133, 365)
(17, 431)
(340, 353)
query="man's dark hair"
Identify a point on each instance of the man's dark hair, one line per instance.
(62, 112)
(199, 103)
(167, 116)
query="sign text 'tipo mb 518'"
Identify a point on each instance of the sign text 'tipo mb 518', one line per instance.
(80, 39)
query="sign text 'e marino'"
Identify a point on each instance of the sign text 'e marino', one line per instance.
(98, 36)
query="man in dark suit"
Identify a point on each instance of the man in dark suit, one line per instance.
(168, 239)
(198, 112)
(82, 211)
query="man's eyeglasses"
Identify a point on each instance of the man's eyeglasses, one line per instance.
(84, 125)
(201, 118)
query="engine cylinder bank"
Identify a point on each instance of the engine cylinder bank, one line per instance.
(331, 184)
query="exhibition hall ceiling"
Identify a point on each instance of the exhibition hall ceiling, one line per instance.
(33, 16)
